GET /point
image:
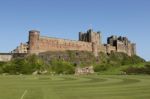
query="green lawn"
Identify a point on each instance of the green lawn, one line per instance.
(75, 87)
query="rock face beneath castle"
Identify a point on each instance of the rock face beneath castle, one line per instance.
(89, 41)
(85, 70)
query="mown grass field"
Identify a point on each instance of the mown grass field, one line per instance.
(75, 87)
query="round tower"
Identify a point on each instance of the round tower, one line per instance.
(33, 41)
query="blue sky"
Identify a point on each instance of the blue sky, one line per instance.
(65, 18)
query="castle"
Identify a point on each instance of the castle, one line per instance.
(88, 41)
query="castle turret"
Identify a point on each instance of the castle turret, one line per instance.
(33, 41)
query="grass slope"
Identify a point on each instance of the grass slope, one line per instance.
(74, 87)
(66, 62)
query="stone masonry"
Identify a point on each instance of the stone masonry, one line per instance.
(88, 41)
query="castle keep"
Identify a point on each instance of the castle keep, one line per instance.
(88, 41)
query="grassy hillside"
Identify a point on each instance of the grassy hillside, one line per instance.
(116, 63)
(66, 62)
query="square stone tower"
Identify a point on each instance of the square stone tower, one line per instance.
(92, 37)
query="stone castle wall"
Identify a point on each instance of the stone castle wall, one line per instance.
(39, 44)
(4, 57)
(120, 47)
(89, 41)
(54, 44)
(110, 48)
(122, 44)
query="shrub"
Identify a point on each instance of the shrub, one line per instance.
(101, 67)
(1, 66)
(62, 67)
(137, 70)
(25, 65)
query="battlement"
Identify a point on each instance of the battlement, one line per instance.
(34, 31)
